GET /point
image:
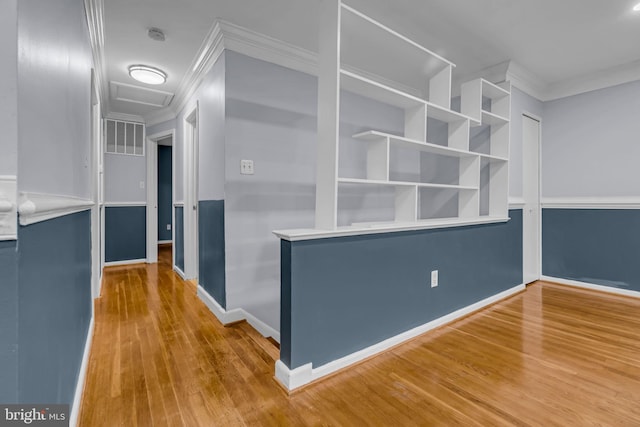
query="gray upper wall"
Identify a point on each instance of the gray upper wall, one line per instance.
(122, 177)
(8, 87)
(54, 126)
(211, 147)
(590, 144)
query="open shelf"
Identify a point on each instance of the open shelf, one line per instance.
(426, 147)
(492, 119)
(364, 86)
(444, 114)
(404, 184)
(372, 47)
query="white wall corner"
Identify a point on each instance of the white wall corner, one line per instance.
(293, 378)
(37, 207)
(94, 10)
(8, 208)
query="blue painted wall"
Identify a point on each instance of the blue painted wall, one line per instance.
(8, 322)
(178, 245)
(165, 201)
(599, 246)
(125, 233)
(341, 295)
(54, 271)
(211, 251)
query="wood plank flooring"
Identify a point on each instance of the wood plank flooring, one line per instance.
(550, 356)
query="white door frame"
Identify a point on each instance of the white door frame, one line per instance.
(538, 273)
(152, 191)
(191, 131)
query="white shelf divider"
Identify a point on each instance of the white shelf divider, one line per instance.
(406, 204)
(328, 115)
(378, 159)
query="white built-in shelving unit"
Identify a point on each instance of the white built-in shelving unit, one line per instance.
(406, 75)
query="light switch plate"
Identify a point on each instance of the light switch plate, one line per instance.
(246, 167)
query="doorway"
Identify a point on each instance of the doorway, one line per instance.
(531, 215)
(159, 208)
(191, 194)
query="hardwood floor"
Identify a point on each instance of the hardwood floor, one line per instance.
(552, 356)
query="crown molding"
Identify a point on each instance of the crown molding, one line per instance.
(260, 46)
(94, 11)
(621, 74)
(125, 117)
(209, 52)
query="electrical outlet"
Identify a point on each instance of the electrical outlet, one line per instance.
(434, 278)
(246, 167)
(168, 227)
(142, 185)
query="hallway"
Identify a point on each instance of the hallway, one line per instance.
(159, 357)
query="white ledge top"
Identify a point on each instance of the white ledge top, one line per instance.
(387, 227)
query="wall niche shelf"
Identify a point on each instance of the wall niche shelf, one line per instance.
(414, 79)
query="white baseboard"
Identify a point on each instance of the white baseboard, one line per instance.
(294, 378)
(125, 262)
(225, 317)
(229, 316)
(180, 272)
(77, 398)
(264, 329)
(592, 286)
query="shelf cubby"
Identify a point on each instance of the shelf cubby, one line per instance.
(405, 64)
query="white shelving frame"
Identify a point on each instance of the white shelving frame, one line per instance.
(411, 77)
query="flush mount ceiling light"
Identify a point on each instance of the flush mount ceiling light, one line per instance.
(636, 8)
(148, 75)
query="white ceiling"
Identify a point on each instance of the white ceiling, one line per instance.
(557, 41)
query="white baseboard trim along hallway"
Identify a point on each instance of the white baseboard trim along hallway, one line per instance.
(592, 286)
(82, 376)
(305, 374)
(237, 314)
